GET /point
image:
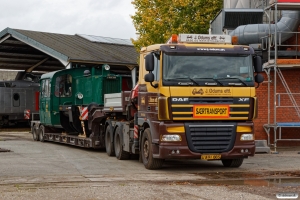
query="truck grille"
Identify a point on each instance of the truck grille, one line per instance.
(210, 137)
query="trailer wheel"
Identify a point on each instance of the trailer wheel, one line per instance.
(233, 162)
(108, 142)
(34, 133)
(146, 151)
(42, 133)
(118, 143)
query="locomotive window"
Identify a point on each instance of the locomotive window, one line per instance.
(63, 86)
(16, 96)
(45, 86)
(42, 88)
(16, 100)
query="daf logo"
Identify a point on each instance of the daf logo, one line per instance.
(180, 99)
(243, 99)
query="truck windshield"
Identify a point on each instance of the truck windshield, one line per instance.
(216, 67)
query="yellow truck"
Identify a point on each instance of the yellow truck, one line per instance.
(197, 100)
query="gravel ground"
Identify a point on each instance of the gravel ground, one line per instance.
(156, 187)
(122, 190)
(265, 191)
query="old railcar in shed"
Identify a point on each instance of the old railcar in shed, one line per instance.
(19, 99)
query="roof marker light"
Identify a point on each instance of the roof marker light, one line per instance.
(235, 39)
(174, 38)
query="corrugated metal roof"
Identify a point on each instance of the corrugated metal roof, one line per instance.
(22, 49)
(107, 40)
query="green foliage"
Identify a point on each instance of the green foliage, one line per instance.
(156, 20)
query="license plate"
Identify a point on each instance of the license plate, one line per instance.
(211, 111)
(210, 157)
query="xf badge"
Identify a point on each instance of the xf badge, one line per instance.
(243, 99)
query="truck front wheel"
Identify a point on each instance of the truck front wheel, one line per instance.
(146, 151)
(108, 142)
(233, 162)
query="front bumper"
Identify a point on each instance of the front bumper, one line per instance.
(165, 152)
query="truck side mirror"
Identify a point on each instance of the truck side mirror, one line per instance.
(258, 64)
(149, 64)
(149, 77)
(259, 78)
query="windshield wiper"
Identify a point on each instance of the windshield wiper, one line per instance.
(187, 77)
(193, 81)
(216, 81)
(243, 82)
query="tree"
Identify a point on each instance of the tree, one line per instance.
(156, 20)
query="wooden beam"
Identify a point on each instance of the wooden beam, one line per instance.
(36, 65)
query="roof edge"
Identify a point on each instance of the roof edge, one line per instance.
(27, 40)
(102, 62)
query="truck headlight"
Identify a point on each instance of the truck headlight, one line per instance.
(245, 137)
(171, 138)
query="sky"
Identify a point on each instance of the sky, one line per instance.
(109, 18)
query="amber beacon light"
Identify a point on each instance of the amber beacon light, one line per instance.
(234, 39)
(174, 38)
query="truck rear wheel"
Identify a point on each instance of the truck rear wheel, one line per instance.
(146, 151)
(34, 133)
(42, 133)
(108, 142)
(233, 162)
(118, 143)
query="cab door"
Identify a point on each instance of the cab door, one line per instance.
(45, 111)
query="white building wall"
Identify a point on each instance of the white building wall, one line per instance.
(245, 3)
(7, 75)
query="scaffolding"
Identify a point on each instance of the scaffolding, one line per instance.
(277, 61)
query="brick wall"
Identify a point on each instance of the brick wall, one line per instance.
(284, 114)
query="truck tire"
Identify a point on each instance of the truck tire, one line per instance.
(146, 151)
(108, 142)
(118, 144)
(42, 133)
(233, 162)
(35, 135)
